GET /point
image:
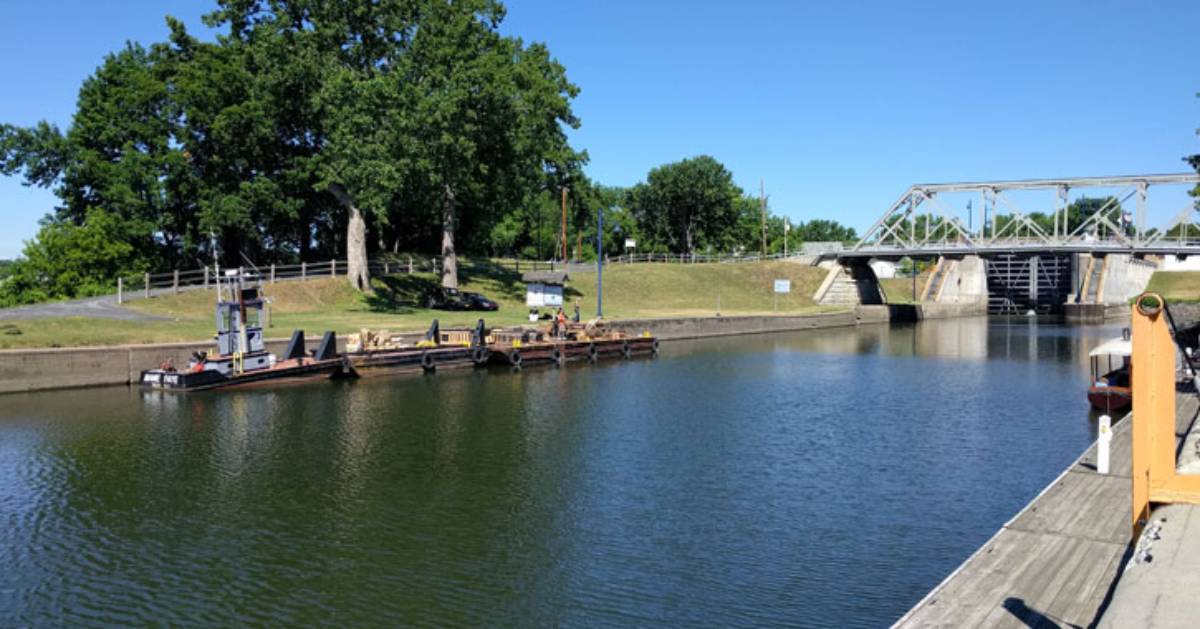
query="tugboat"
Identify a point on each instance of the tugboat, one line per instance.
(240, 358)
(1111, 388)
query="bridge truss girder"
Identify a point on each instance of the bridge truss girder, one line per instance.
(897, 230)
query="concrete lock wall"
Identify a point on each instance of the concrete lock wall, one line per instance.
(1126, 278)
(966, 282)
(884, 269)
(62, 368)
(697, 327)
(1175, 263)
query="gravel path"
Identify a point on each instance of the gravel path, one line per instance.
(97, 307)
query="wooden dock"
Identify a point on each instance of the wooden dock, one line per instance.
(1056, 561)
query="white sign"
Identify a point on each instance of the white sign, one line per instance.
(541, 295)
(630, 243)
(783, 286)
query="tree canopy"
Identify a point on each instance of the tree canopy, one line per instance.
(316, 129)
(305, 126)
(690, 204)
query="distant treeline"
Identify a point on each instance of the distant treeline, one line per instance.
(316, 130)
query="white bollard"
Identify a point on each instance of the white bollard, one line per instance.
(1102, 444)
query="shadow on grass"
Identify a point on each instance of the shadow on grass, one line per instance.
(404, 294)
(399, 294)
(507, 281)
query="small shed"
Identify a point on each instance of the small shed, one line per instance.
(544, 288)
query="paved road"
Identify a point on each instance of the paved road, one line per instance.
(97, 307)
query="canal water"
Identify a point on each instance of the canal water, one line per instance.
(825, 478)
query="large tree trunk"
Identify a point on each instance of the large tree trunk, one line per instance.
(449, 257)
(356, 241)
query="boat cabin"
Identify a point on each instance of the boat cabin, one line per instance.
(1110, 362)
(1111, 388)
(239, 318)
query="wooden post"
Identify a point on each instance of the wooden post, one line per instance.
(120, 290)
(303, 271)
(386, 267)
(175, 281)
(147, 277)
(410, 269)
(272, 272)
(206, 276)
(1155, 478)
(333, 268)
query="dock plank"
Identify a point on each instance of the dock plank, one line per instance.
(1056, 560)
(1052, 563)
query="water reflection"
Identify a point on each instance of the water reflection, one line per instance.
(827, 477)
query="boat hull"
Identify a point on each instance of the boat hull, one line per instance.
(289, 371)
(416, 360)
(560, 351)
(1110, 399)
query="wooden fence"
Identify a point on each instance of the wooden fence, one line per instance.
(149, 284)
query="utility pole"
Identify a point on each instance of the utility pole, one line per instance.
(564, 223)
(787, 227)
(600, 262)
(762, 204)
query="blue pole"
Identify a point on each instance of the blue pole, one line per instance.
(600, 262)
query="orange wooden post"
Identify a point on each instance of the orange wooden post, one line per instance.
(1148, 325)
(1154, 467)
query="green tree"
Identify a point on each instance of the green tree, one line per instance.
(246, 125)
(688, 204)
(486, 118)
(822, 230)
(120, 156)
(70, 260)
(419, 104)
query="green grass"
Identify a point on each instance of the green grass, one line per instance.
(899, 290)
(642, 290)
(1176, 286)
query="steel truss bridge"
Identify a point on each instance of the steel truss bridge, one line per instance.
(920, 224)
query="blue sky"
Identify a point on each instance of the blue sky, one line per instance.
(838, 106)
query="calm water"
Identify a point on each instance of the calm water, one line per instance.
(828, 478)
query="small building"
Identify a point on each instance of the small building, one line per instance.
(544, 288)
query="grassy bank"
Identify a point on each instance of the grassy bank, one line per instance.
(643, 290)
(1176, 286)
